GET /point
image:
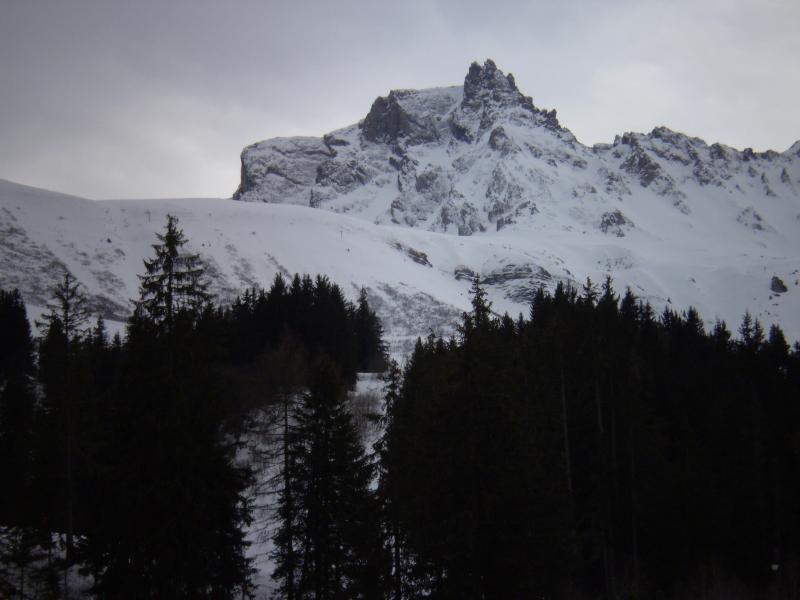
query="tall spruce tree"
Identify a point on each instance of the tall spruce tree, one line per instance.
(69, 307)
(369, 336)
(16, 408)
(173, 281)
(327, 543)
(387, 492)
(64, 326)
(18, 535)
(171, 525)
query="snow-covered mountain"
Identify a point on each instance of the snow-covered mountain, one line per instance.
(482, 157)
(679, 221)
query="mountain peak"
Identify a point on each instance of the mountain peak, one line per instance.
(487, 82)
(478, 157)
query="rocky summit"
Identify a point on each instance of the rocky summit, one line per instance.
(483, 156)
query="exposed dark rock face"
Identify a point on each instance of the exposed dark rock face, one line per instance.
(503, 221)
(614, 222)
(417, 256)
(614, 183)
(503, 193)
(464, 273)
(343, 176)
(777, 285)
(640, 165)
(717, 152)
(407, 174)
(461, 214)
(385, 121)
(460, 131)
(499, 140)
(331, 141)
(515, 273)
(550, 119)
(428, 181)
(704, 174)
(245, 183)
(388, 122)
(518, 282)
(488, 95)
(484, 84)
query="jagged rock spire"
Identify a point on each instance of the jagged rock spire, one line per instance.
(487, 82)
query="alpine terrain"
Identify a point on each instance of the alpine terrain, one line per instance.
(435, 187)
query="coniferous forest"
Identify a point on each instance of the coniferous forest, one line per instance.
(591, 449)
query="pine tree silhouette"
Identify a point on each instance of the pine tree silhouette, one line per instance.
(173, 281)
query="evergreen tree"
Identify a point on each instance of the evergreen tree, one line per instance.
(174, 502)
(16, 409)
(387, 486)
(173, 281)
(65, 327)
(481, 306)
(70, 307)
(621, 455)
(369, 337)
(327, 543)
(19, 536)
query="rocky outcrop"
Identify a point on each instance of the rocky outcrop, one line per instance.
(464, 273)
(342, 176)
(282, 169)
(388, 122)
(641, 166)
(614, 223)
(499, 140)
(518, 282)
(417, 256)
(487, 85)
(777, 285)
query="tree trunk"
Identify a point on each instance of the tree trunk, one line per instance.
(608, 550)
(398, 581)
(290, 560)
(634, 524)
(567, 458)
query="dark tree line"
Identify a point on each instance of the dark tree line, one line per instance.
(594, 450)
(118, 457)
(313, 313)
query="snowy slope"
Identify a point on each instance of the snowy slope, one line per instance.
(418, 279)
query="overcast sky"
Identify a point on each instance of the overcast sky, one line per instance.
(136, 99)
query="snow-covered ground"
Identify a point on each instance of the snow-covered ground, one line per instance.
(418, 280)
